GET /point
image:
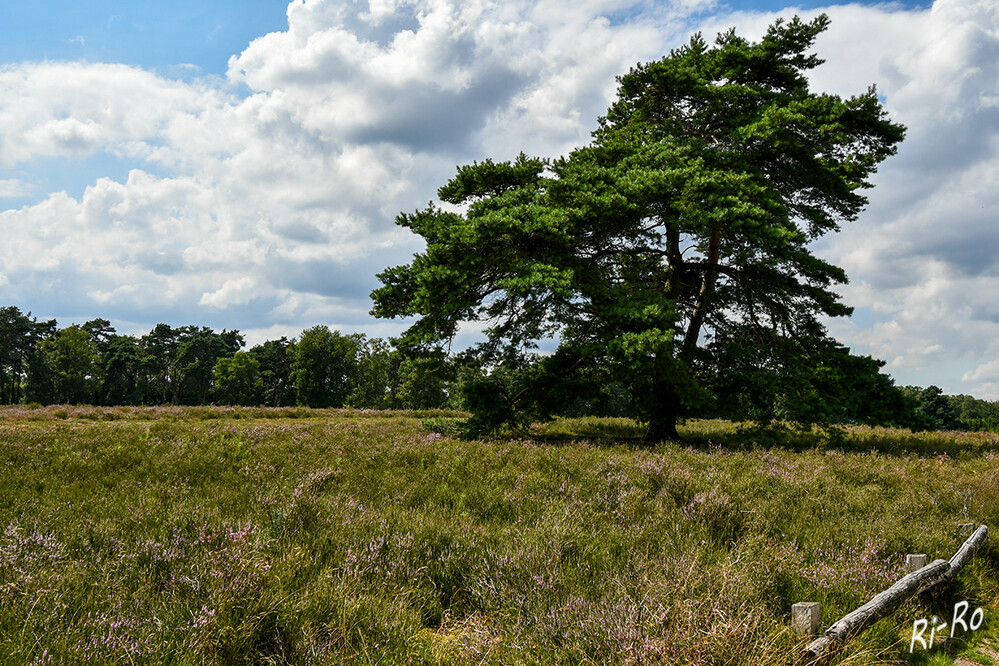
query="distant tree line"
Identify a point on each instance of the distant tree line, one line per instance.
(937, 411)
(91, 363)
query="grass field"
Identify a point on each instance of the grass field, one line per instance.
(256, 536)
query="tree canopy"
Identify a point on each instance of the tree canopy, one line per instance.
(325, 364)
(671, 254)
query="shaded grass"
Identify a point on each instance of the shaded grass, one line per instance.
(219, 535)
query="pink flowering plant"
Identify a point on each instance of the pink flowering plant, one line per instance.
(292, 536)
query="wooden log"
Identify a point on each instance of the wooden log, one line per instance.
(965, 552)
(882, 605)
(887, 602)
(961, 557)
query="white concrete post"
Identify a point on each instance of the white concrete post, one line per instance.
(805, 618)
(914, 562)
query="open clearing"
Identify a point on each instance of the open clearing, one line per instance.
(221, 536)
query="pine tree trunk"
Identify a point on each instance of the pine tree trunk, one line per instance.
(663, 414)
(661, 429)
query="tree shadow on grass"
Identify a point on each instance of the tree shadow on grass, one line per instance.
(710, 435)
(853, 439)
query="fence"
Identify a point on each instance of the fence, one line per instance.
(921, 578)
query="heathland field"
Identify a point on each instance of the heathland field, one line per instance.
(256, 536)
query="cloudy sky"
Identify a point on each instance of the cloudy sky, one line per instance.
(240, 163)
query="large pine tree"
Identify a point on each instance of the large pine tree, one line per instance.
(680, 234)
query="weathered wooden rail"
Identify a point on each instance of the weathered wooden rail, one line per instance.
(885, 603)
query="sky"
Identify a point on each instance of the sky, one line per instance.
(240, 163)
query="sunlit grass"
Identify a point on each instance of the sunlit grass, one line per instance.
(221, 535)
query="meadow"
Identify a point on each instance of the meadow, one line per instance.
(296, 536)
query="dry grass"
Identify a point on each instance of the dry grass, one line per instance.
(223, 536)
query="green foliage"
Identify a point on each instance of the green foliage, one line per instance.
(324, 366)
(422, 384)
(66, 369)
(523, 388)
(447, 426)
(122, 370)
(198, 351)
(975, 414)
(687, 220)
(934, 410)
(237, 380)
(388, 378)
(274, 358)
(807, 380)
(19, 334)
(179, 362)
(378, 375)
(768, 378)
(159, 352)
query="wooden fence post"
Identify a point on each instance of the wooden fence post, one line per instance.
(886, 602)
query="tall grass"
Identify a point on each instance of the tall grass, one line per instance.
(228, 536)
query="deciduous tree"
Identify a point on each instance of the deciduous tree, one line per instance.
(324, 367)
(275, 359)
(237, 380)
(19, 334)
(71, 363)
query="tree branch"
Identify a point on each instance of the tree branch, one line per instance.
(707, 288)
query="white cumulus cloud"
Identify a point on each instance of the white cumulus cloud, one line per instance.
(12, 187)
(234, 292)
(266, 201)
